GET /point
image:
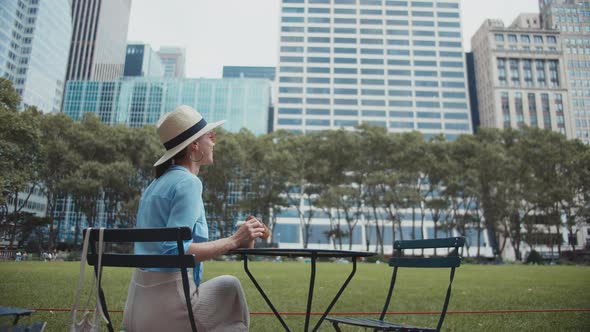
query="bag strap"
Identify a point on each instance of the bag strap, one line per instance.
(98, 306)
(81, 277)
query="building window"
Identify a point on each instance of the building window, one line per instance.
(527, 71)
(518, 107)
(540, 71)
(553, 73)
(538, 39)
(505, 102)
(512, 38)
(499, 37)
(502, 71)
(514, 73)
(545, 111)
(533, 110)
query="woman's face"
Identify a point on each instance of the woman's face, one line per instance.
(206, 144)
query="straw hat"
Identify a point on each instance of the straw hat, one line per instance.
(177, 129)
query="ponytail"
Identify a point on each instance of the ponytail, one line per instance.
(162, 168)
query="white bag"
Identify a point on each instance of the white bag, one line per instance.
(88, 323)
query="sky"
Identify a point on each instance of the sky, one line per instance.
(219, 33)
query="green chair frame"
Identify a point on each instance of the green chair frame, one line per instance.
(451, 261)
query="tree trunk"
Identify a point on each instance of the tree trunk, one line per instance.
(378, 233)
(413, 223)
(50, 212)
(478, 254)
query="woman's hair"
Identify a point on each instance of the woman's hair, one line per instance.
(162, 168)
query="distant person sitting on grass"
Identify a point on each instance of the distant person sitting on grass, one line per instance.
(155, 301)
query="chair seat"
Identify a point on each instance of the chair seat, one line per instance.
(378, 324)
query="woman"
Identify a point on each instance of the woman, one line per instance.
(155, 301)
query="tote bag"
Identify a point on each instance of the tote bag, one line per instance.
(89, 323)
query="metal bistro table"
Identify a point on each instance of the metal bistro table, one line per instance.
(314, 254)
(16, 312)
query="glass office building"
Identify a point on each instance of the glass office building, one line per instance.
(572, 19)
(396, 64)
(34, 45)
(142, 60)
(135, 102)
(249, 71)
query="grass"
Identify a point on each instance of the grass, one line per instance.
(476, 287)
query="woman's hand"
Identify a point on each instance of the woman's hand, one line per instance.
(248, 231)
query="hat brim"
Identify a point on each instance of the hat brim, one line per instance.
(172, 152)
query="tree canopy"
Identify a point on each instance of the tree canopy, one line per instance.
(504, 181)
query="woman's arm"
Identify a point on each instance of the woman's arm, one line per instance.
(243, 237)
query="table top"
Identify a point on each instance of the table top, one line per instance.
(301, 252)
(13, 311)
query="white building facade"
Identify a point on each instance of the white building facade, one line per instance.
(99, 39)
(520, 75)
(396, 64)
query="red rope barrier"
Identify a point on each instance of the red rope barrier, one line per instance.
(459, 312)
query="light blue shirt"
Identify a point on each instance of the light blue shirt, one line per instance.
(173, 200)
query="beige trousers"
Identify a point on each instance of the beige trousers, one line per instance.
(155, 302)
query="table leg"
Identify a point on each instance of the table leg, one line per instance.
(317, 325)
(272, 307)
(310, 293)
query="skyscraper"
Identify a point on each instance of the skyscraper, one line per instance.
(572, 19)
(34, 44)
(142, 60)
(396, 64)
(173, 59)
(519, 70)
(99, 39)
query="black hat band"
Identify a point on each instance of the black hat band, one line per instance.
(185, 135)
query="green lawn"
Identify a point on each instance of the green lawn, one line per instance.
(476, 287)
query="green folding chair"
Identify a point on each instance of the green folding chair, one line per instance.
(451, 261)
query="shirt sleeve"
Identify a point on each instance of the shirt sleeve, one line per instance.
(184, 210)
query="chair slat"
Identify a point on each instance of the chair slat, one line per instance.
(430, 243)
(451, 261)
(147, 261)
(377, 324)
(142, 234)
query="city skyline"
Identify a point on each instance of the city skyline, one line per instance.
(255, 43)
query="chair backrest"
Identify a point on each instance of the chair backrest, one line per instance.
(182, 261)
(177, 234)
(452, 260)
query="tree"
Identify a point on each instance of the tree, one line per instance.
(266, 172)
(490, 162)
(59, 161)
(307, 171)
(223, 179)
(19, 156)
(462, 188)
(372, 159)
(574, 188)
